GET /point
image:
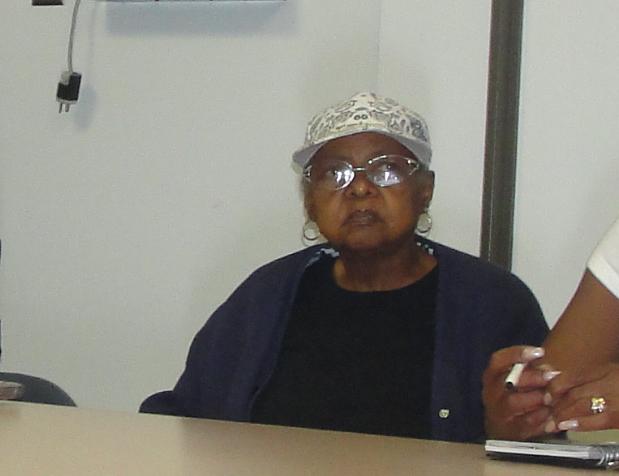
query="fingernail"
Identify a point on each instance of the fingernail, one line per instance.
(550, 427)
(547, 399)
(568, 425)
(532, 353)
(550, 374)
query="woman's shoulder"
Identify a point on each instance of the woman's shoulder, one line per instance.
(295, 259)
(471, 271)
(284, 270)
(453, 256)
(467, 280)
(264, 291)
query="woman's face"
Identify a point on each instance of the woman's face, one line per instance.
(363, 217)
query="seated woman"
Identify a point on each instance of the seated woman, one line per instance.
(377, 330)
(583, 392)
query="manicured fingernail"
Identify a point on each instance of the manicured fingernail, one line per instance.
(550, 427)
(547, 399)
(532, 353)
(568, 425)
(550, 374)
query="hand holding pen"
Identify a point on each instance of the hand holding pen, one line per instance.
(514, 393)
(529, 354)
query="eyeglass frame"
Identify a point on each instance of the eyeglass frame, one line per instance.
(414, 165)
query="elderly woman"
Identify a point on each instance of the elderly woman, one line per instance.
(377, 330)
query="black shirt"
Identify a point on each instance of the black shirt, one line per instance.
(354, 361)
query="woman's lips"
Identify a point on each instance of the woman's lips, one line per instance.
(362, 218)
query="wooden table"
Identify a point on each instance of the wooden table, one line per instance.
(49, 440)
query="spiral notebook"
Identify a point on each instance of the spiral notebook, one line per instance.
(561, 452)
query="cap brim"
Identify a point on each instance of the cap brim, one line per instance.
(421, 150)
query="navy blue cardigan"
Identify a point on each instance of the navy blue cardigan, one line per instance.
(479, 308)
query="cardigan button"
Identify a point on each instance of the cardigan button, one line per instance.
(443, 413)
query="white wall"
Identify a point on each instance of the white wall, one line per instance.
(434, 55)
(568, 159)
(126, 221)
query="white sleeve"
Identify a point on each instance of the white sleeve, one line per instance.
(604, 262)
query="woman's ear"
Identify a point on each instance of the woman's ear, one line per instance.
(426, 183)
(430, 192)
(310, 208)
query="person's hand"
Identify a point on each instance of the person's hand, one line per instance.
(521, 413)
(575, 399)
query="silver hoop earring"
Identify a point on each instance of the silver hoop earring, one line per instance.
(310, 232)
(424, 223)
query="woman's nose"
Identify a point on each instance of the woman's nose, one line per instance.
(361, 186)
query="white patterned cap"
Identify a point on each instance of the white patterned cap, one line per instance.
(367, 112)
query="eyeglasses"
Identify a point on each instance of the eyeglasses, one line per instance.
(382, 171)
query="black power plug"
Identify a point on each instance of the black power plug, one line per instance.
(68, 89)
(69, 84)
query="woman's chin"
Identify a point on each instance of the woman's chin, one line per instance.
(366, 242)
(363, 244)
